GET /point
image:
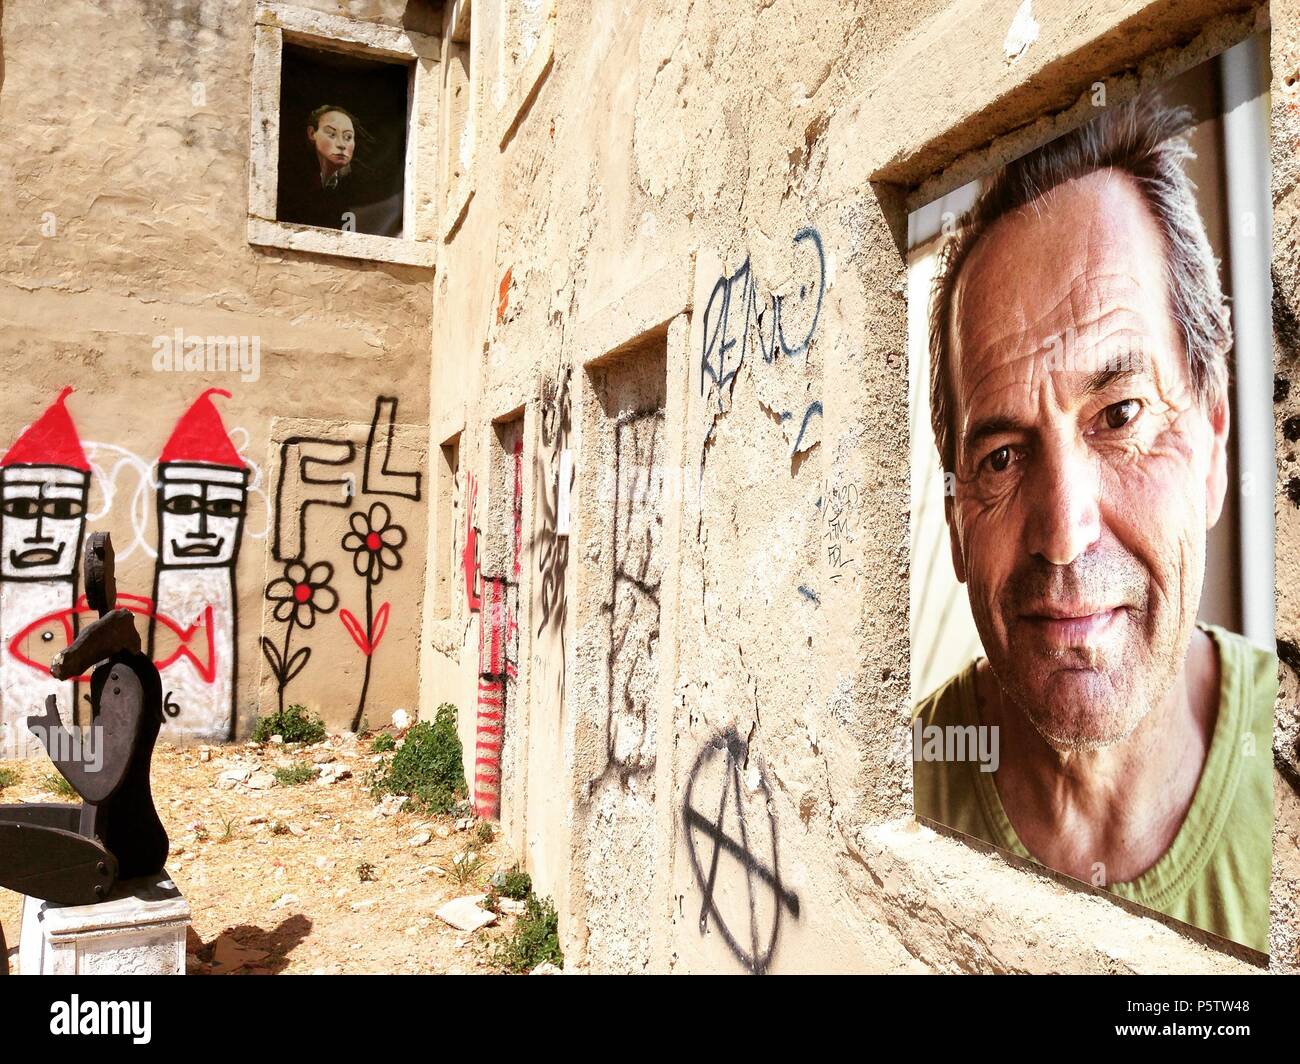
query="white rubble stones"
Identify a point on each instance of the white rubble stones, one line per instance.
(391, 804)
(401, 719)
(332, 773)
(546, 968)
(465, 914)
(233, 776)
(243, 772)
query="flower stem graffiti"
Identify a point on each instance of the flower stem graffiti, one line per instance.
(374, 542)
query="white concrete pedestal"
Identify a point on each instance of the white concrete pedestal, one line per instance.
(139, 929)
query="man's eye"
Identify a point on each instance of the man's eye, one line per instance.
(63, 509)
(999, 460)
(224, 508)
(1120, 414)
(24, 509)
(183, 504)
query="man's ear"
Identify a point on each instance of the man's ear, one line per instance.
(954, 540)
(1216, 478)
(311, 134)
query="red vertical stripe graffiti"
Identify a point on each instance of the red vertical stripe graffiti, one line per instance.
(492, 667)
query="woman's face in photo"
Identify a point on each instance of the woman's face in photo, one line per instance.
(334, 140)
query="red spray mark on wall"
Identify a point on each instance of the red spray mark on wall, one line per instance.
(469, 553)
(503, 295)
(494, 669)
(498, 645)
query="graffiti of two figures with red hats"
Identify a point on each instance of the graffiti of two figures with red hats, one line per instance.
(189, 619)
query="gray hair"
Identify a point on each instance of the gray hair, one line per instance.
(1145, 140)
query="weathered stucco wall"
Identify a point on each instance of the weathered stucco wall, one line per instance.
(683, 265)
(126, 126)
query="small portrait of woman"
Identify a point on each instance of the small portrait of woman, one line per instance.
(333, 133)
(342, 142)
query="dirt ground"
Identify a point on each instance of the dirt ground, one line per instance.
(277, 876)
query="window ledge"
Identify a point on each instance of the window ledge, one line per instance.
(274, 24)
(962, 909)
(266, 233)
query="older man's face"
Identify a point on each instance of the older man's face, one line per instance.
(1087, 469)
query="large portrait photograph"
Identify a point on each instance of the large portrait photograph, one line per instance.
(1093, 656)
(343, 133)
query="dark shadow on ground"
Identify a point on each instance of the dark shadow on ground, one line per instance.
(247, 949)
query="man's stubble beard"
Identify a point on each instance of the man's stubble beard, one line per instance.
(1116, 685)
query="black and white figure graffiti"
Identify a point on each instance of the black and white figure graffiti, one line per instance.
(731, 837)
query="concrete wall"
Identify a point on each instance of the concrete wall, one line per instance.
(685, 255)
(125, 178)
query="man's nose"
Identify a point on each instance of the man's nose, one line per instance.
(1064, 503)
(36, 536)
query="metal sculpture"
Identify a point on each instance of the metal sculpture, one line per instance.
(74, 854)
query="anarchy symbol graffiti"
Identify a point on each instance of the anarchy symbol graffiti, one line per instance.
(730, 833)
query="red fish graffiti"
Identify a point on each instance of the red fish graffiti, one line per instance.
(37, 644)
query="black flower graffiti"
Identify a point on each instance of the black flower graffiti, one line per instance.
(302, 593)
(299, 595)
(374, 542)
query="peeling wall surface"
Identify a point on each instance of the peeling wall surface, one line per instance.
(662, 357)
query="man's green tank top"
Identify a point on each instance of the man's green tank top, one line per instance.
(1216, 872)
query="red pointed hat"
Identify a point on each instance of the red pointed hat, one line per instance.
(51, 440)
(200, 436)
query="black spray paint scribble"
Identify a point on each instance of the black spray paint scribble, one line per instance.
(552, 550)
(734, 324)
(378, 477)
(727, 827)
(632, 665)
(549, 547)
(304, 454)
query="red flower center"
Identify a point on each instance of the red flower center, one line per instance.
(302, 592)
(373, 542)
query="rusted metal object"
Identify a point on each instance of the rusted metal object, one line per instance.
(73, 854)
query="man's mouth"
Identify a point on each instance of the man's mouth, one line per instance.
(29, 559)
(1073, 626)
(197, 550)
